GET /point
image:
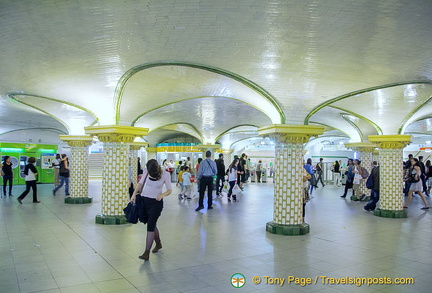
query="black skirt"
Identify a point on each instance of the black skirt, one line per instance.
(152, 211)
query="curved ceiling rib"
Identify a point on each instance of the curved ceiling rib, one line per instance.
(118, 94)
(32, 128)
(362, 91)
(329, 126)
(232, 128)
(178, 125)
(406, 121)
(347, 119)
(88, 113)
(377, 128)
(187, 99)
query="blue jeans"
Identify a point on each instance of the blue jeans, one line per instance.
(374, 198)
(63, 181)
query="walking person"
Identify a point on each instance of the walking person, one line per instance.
(220, 179)
(306, 196)
(150, 189)
(407, 167)
(429, 175)
(196, 171)
(349, 177)
(63, 175)
(232, 178)
(374, 197)
(358, 176)
(337, 174)
(180, 181)
(320, 170)
(416, 184)
(56, 166)
(207, 170)
(258, 171)
(187, 186)
(312, 181)
(30, 173)
(7, 174)
(423, 175)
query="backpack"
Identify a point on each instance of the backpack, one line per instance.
(365, 173)
(370, 182)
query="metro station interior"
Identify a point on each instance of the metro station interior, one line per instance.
(346, 79)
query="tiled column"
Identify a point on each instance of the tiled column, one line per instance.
(116, 141)
(365, 150)
(79, 165)
(375, 156)
(151, 154)
(134, 147)
(391, 174)
(227, 156)
(288, 197)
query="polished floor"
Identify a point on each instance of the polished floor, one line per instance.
(55, 247)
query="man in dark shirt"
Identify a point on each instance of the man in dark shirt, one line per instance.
(423, 174)
(374, 198)
(220, 179)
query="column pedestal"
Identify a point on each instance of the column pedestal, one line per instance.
(288, 181)
(391, 174)
(115, 185)
(79, 176)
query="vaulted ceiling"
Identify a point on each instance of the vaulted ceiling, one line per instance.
(214, 71)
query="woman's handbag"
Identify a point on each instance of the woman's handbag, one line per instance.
(131, 213)
(135, 211)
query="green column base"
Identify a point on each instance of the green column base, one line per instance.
(78, 200)
(291, 230)
(391, 213)
(110, 220)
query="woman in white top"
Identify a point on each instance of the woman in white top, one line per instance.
(357, 170)
(416, 184)
(150, 187)
(232, 178)
(31, 174)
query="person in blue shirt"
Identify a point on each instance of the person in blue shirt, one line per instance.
(207, 170)
(350, 177)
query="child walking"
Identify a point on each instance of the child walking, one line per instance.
(187, 187)
(180, 181)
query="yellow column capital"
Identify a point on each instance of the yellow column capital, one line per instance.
(294, 133)
(77, 140)
(391, 141)
(116, 133)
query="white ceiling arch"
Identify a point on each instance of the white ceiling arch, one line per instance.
(164, 83)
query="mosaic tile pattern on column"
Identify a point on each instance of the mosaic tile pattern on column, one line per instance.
(115, 178)
(288, 184)
(391, 179)
(79, 174)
